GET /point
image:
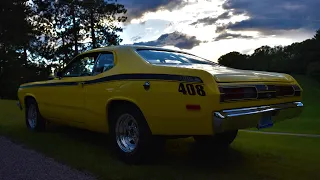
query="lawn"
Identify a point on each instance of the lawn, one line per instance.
(251, 156)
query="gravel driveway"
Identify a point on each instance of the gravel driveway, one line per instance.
(18, 163)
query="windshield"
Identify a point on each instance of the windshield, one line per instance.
(171, 57)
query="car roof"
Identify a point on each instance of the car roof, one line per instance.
(114, 48)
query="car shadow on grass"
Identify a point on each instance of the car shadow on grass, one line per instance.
(80, 135)
(177, 152)
(187, 153)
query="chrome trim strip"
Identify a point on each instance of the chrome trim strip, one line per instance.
(242, 109)
(220, 117)
(249, 113)
(255, 110)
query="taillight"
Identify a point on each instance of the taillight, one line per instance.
(284, 91)
(237, 93)
(232, 93)
(297, 90)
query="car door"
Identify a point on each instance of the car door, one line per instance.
(97, 91)
(66, 97)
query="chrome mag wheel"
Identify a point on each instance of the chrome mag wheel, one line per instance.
(127, 133)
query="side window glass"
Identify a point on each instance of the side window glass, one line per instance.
(104, 62)
(80, 67)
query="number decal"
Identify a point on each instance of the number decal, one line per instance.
(200, 90)
(182, 89)
(190, 89)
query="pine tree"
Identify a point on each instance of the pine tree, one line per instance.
(100, 19)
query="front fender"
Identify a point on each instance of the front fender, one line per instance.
(22, 96)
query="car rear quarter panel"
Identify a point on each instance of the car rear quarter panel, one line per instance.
(163, 106)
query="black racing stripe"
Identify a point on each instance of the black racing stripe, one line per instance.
(166, 77)
(50, 84)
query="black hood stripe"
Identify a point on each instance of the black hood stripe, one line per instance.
(119, 77)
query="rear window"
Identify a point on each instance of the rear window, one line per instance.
(171, 57)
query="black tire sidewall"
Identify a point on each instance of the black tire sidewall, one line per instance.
(142, 150)
(40, 122)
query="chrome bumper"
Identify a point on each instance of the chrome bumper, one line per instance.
(233, 119)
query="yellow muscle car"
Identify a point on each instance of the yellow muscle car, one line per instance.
(140, 95)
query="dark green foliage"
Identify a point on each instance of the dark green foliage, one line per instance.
(235, 60)
(297, 58)
(78, 25)
(38, 35)
(313, 70)
(17, 38)
(99, 19)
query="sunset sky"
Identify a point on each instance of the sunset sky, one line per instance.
(211, 28)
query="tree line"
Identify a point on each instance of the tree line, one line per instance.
(297, 58)
(37, 35)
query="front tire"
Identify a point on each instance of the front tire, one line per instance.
(130, 134)
(220, 140)
(33, 118)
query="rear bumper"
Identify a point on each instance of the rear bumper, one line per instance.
(233, 119)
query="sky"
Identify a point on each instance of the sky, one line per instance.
(211, 28)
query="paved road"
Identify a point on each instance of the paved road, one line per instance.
(281, 133)
(18, 163)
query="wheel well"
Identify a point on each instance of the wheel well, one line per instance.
(27, 99)
(119, 103)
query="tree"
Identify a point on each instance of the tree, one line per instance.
(317, 35)
(15, 38)
(234, 60)
(47, 33)
(99, 19)
(70, 24)
(298, 58)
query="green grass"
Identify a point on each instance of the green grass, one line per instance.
(251, 156)
(309, 121)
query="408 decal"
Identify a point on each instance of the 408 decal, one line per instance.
(191, 89)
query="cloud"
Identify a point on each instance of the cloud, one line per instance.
(176, 39)
(223, 27)
(248, 51)
(273, 15)
(231, 36)
(211, 20)
(138, 8)
(264, 24)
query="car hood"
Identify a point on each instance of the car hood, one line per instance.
(225, 74)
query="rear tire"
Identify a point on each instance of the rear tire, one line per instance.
(221, 140)
(131, 136)
(33, 118)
